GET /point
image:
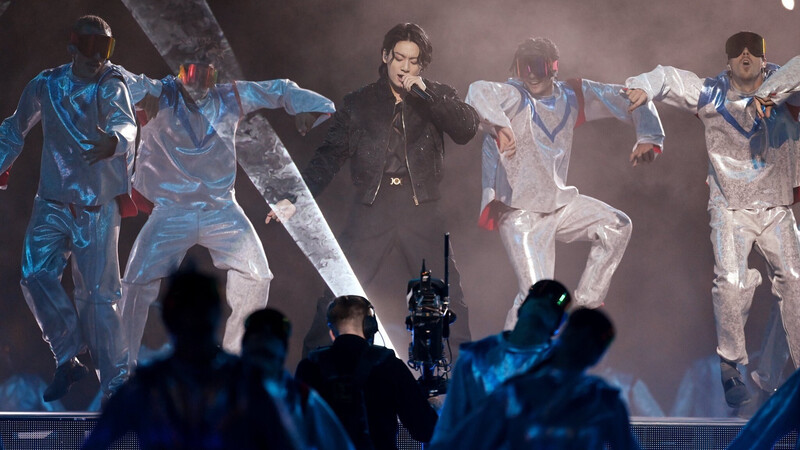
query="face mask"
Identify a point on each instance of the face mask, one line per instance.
(752, 42)
(92, 44)
(200, 76)
(535, 66)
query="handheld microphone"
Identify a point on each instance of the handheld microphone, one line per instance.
(421, 94)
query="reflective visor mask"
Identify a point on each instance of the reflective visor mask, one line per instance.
(93, 44)
(199, 76)
(535, 66)
(752, 42)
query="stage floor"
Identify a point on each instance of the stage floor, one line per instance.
(67, 431)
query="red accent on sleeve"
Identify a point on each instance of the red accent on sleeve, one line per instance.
(127, 207)
(485, 221)
(490, 216)
(577, 85)
(4, 178)
(794, 111)
(142, 204)
(141, 117)
(657, 149)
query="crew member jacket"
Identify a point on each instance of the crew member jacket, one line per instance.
(390, 392)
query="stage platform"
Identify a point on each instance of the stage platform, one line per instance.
(59, 431)
(694, 433)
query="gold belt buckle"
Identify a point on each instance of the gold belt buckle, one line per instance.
(395, 181)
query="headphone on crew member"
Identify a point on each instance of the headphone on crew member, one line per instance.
(370, 323)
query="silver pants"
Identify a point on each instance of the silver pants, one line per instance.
(88, 236)
(162, 244)
(529, 239)
(774, 353)
(773, 233)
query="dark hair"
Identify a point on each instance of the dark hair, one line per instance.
(550, 294)
(536, 46)
(91, 21)
(268, 321)
(347, 307)
(192, 300)
(407, 32)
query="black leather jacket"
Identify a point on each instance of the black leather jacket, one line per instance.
(361, 130)
(389, 391)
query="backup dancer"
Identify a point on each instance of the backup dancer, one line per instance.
(529, 122)
(751, 176)
(185, 174)
(89, 136)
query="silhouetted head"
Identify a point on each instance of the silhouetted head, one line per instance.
(266, 340)
(536, 64)
(586, 337)
(545, 306)
(192, 306)
(352, 314)
(406, 50)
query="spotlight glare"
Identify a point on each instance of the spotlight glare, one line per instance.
(788, 4)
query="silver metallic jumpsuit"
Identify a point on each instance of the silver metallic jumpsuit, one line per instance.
(75, 212)
(751, 174)
(187, 168)
(537, 207)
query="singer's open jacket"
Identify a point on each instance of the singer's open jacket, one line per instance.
(361, 129)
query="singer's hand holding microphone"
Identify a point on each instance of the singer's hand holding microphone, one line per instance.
(416, 86)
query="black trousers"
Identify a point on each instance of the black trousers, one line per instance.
(385, 244)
